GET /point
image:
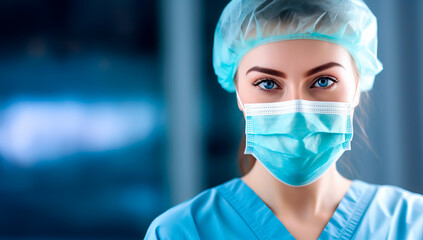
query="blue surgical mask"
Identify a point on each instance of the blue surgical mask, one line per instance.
(297, 141)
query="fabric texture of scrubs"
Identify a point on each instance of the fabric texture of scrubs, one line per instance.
(233, 211)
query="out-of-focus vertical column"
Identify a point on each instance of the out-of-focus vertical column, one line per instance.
(408, 60)
(419, 29)
(388, 97)
(181, 49)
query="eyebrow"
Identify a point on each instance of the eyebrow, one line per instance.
(321, 68)
(267, 71)
(283, 75)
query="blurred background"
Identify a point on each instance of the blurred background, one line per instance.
(110, 113)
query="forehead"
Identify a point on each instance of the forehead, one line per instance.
(295, 54)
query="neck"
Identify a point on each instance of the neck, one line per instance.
(317, 198)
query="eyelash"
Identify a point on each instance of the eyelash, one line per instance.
(333, 79)
(260, 80)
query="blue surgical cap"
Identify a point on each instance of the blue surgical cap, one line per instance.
(246, 24)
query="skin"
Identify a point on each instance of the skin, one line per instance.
(304, 211)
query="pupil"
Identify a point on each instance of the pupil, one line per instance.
(268, 85)
(323, 82)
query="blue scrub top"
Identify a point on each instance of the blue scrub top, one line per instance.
(233, 211)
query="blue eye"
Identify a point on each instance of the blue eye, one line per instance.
(323, 82)
(267, 84)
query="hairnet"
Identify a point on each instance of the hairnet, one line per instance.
(246, 24)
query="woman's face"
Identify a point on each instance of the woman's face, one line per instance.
(297, 69)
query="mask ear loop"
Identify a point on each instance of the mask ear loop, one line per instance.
(352, 113)
(355, 96)
(239, 99)
(246, 123)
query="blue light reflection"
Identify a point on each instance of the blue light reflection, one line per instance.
(34, 131)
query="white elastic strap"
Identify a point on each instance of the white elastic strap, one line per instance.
(355, 95)
(239, 99)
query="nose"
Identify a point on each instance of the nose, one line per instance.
(295, 92)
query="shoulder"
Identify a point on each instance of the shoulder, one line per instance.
(182, 220)
(394, 212)
(392, 199)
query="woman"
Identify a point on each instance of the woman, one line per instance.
(298, 68)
